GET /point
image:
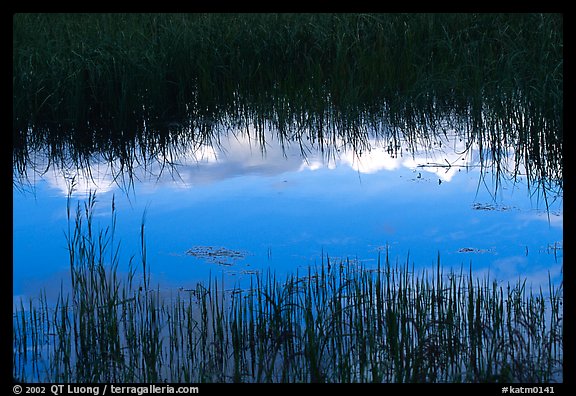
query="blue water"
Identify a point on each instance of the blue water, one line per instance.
(284, 213)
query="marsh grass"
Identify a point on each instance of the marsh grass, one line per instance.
(142, 87)
(337, 322)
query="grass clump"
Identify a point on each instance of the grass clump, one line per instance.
(113, 59)
(340, 322)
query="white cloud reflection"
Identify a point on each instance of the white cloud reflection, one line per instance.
(239, 155)
(97, 177)
(554, 219)
(511, 270)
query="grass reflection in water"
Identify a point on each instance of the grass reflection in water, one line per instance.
(138, 88)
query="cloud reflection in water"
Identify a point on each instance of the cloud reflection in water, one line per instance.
(288, 210)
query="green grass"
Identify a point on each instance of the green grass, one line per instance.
(140, 87)
(339, 322)
(111, 59)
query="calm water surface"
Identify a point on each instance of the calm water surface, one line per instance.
(232, 210)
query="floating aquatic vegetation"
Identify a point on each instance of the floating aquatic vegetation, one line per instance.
(473, 250)
(490, 206)
(216, 255)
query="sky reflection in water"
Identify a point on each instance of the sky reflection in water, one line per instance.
(281, 211)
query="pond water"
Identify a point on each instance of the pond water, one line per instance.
(332, 198)
(233, 209)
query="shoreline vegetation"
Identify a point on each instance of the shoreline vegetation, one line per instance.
(143, 87)
(338, 322)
